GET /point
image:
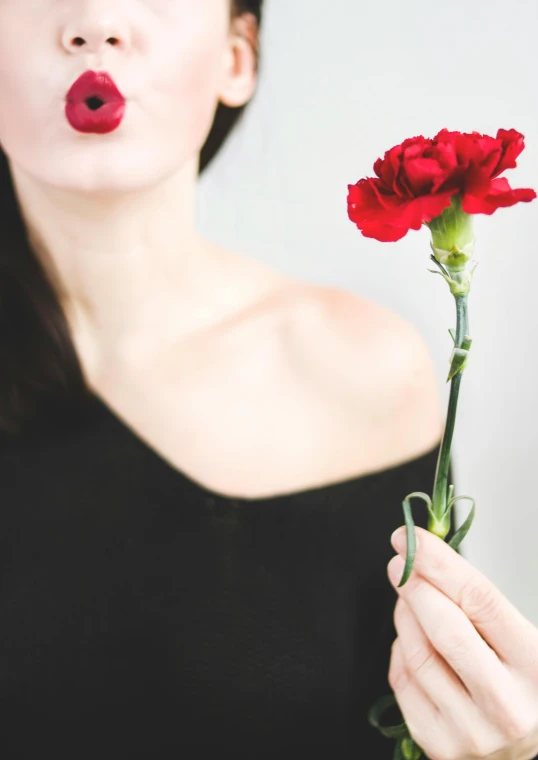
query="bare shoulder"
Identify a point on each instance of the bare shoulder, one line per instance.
(373, 363)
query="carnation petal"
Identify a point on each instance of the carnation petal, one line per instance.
(432, 206)
(366, 202)
(378, 167)
(513, 143)
(385, 233)
(388, 200)
(421, 173)
(362, 202)
(411, 215)
(500, 195)
(476, 181)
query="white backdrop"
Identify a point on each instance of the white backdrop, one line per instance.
(340, 83)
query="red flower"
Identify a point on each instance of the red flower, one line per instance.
(417, 179)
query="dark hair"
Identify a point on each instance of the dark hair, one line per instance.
(225, 117)
(41, 378)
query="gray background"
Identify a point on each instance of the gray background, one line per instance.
(339, 84)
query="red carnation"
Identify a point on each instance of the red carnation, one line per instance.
(417, 179)
(440, 183)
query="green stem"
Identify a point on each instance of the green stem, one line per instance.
(440, 525)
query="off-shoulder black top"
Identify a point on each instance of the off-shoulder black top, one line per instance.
(145, 615)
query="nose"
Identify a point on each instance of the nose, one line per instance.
(92, 34)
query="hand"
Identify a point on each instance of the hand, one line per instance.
(464, 666)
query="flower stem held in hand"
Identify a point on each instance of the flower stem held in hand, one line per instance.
(438, 524)
(458, 275)
(442, 183)
(439, 511)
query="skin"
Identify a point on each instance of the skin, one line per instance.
(113, 215)
(167, 325)
(170, 327)
(464, 666)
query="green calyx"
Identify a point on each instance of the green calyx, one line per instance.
(453, 236)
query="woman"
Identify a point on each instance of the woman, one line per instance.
(202, 460)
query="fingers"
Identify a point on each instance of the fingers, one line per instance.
(439, 682)
(451, 634)
(426, 665)
(508, 633)
(423, 719)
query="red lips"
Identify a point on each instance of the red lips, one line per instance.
(94, 103)
(94, 84)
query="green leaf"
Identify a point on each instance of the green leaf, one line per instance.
(466, 343)
(458, 362)
(460, 534)
(410, 749)
(410, 533)
(377, 710)
(406, 748)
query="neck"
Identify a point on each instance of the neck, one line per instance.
(129, 267)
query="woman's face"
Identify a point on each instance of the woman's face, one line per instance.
(168, 58)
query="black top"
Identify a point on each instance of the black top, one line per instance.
(145, 615)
